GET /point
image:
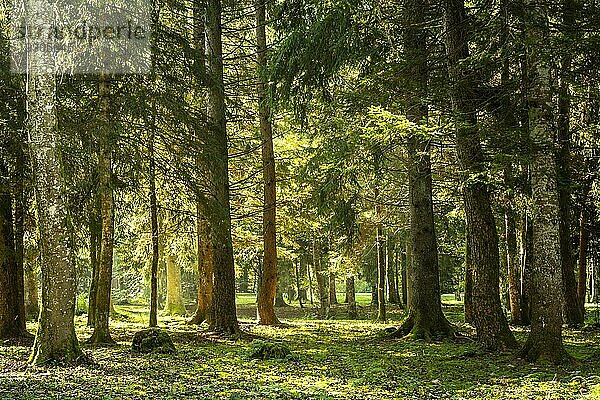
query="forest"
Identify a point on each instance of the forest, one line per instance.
(299, 199)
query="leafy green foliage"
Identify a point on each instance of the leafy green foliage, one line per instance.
(264, 350)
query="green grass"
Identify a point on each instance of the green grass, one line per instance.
(333, 359)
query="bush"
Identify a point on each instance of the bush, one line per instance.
(263, 350)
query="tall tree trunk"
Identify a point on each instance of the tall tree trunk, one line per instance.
(468, 301)
(351, 297)
(105, 263)
(310, 283)
(492, 328)
(509, 117)
(12, 317)
(591, 118)
(21, 204)
(32, 301)
(584, 241)
(406, 261)
(300, 293)
(153, 318)
(390, 259)
(332, 289)
(205, 270)
(319, 274)
(572, 311)
(512, 263)
(174, 304)
(55, 339)
(223, 311)
(204, 249)
(268, 287)
(526, 265)
(545, 338)
(425, 319)
(95, 226)
(380, 244)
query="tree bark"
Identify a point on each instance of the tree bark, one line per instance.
(390, 258)
(512, 264)
(572, 311)
(319, 274)
(223, 311)
(105, 263)
(55, 339)
(584, 241)
(268, 287)
(468, 301)
(204, 249)
(205, 269)
(332, 289)
(12, 316)
(425, 319)
(174, 304)
(545, 338)
(351, 297)
(380, 244)
(406, 260)
(19, 229)
(95, 226)
(492, 328)
(153, 317)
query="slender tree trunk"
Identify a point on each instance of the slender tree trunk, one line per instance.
(223, 311)
(397, 272)
(95, 225)
(55, 339)
(310, 282)
(545, 338)
(510, 121)
(351, 297)
(374, 295)
(492, 328)
(512, 264)
(584, 240)
(391, 274)
(298, 284)
(105, 263)
(268, 287)
(406, 261)
(514, 290)
(19, 227)
(591, 117)
(319, 274)
(153, 318)
(380, 244)
(12, 317)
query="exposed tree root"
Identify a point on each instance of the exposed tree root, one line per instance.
(424, 329)
(538, 351)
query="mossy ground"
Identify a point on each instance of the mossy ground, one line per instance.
(334, 359)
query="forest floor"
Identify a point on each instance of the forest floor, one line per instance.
(333, 359)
